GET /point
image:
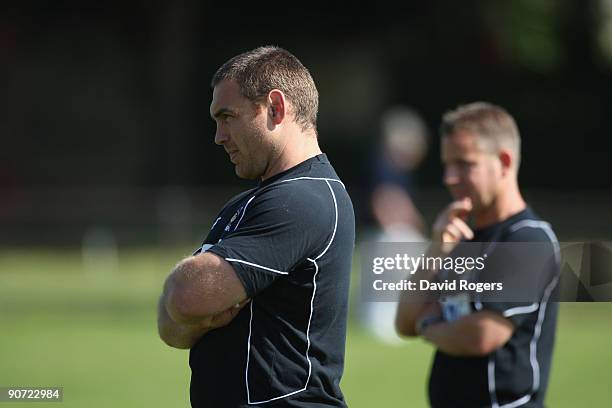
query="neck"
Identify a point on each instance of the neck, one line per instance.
(298, 148)
(506, 204)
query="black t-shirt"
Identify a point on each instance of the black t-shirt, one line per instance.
(290, 241)
(515, 375)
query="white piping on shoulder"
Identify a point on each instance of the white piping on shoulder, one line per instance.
(335, 221)
(315, 178)
(544, 226)
(331, 190)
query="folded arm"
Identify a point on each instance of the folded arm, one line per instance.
(202, 293)
(476, 334)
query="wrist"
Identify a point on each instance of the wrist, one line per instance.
(424, 322)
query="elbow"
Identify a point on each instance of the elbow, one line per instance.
(483, 343)
(188, 307)
(180, 304)
(177, 344)
(174, 342)
(487, 332)
(404, 327)
(168, 334)
(480, 348)
(180, 309)
(186, 301)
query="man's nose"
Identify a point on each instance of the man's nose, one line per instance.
(451, 176)
(221, 136)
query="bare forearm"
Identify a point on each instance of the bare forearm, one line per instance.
(455, 338)
(477, 334)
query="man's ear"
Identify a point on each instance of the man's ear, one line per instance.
(276, 106)
(507, 161)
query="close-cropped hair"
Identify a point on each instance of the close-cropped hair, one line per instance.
(259, 71)
(492, 124)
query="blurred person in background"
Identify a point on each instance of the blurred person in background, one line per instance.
(285, 245)
(402, 146)
(494, 354)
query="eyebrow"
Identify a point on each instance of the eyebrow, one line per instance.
(461, 162)
(220, 112)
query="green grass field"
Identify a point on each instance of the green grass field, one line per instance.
(94, 334)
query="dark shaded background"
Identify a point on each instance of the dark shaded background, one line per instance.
(104, 120)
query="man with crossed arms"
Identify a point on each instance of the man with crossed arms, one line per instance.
(263, 303)
(493, 354)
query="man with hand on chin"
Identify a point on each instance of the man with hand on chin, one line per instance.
(262, 304)
(489, 354)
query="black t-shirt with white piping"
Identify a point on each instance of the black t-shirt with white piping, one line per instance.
(290, 241)
(516, 374)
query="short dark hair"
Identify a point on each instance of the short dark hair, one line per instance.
(492, 124)
(263, 69)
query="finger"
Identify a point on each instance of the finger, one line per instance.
(468, 204)
(226, 316)
(460, 207)
(464, 229)
(451, 234)
(241, 304)
(245, 301)
(205, 322)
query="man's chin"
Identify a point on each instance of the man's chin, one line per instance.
(244, 174)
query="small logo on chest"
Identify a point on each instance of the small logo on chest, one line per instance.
(228, 227)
